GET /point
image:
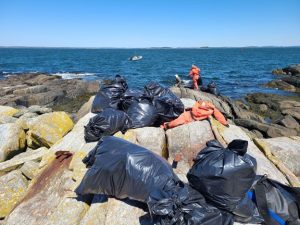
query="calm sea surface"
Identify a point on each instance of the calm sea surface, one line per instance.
(237, 71)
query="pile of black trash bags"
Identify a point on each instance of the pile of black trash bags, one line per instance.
(119, 108)
(223, 186)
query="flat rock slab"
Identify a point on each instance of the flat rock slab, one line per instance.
(22, 158)
(47, 200)
(12, 188)
(286, 149)
(74, 140)
(12, 140)
(264, 166)
(187, 140)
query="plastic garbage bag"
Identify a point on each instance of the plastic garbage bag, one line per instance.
(168, 105)
(142, 113)
(178, 203)
(129, 97)
(108, 122)
(223, 175)
(123, 169)
(276, 202)
(110, 94)
(211, 88)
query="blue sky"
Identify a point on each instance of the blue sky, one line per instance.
(148, 23)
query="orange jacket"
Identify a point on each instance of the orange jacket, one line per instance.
(200, 111)
(195, 71)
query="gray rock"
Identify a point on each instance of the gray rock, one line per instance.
(7, 119)
(263, 108)
(187, 102)
(286, 149)
(267, 129)
(22, 158)
(31, 90)
(85, 108)
(292, 69)
(289, 122)
(292, 80)
(39, 109)
(28, 115)
(12, 140)
(30, 169)
(12, 188)
(187, 140)
(281, 85)
(21, 112)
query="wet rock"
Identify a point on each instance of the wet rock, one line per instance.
(292, 80)
(22, 158)
(292, 69)
(47, 129)
(140, 136)
(7, 111)
(7, 119)
(30, 169)
(187, 140)
(281, 85)
(289, 122)
(12, 188)
(286, 149)
(278, 72)
(12, 140)
(74, 140)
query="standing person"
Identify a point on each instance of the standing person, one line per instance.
(195, 75)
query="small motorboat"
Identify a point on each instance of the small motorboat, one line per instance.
(135, 58)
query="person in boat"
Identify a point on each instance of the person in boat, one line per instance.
(195, 75)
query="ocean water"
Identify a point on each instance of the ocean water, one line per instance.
(237, 71)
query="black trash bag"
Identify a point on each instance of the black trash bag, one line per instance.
(167, 104)
(154, 89)
(247, 211)
(211, 88)
(276, 202)
(110, 94)
(223, 175)
(142, 113)
(129, 97)
(178, 203)
(108, 122)
(123, 169)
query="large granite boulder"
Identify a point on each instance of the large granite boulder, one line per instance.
(286, 149)
(12, 188)
(281, 85)
(12, 140)
(7, 119)
(152, 138)
(47, 129)
(292, 69)
(7, 111)
(85, 108)
(187, 140)
(74, 140)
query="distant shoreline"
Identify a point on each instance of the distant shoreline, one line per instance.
(204, 47)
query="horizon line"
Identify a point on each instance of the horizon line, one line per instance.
(155, 47)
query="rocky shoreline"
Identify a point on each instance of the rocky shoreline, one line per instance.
(35, 188)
